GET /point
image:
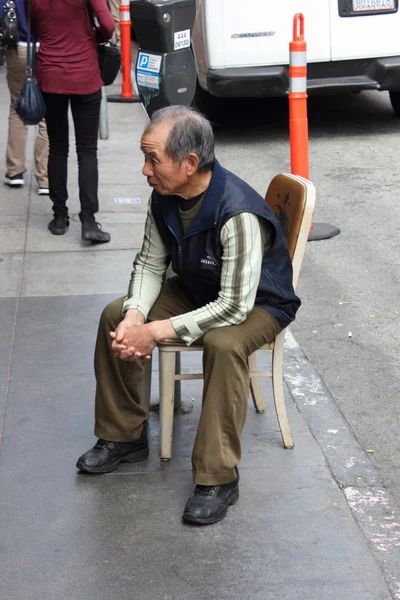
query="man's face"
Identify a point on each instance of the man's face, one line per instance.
(163, 174)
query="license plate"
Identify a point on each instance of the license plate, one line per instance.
(381, 6)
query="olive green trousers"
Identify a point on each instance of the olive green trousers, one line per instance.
(119, 416)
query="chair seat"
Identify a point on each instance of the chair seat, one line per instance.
(180, 345)
(172, 342)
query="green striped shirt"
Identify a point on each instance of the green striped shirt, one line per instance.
(244, 240)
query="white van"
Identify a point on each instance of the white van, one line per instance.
(242, 48)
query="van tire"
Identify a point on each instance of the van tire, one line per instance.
(395, 100)
(210, 106)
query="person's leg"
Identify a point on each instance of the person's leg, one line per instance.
(118, 414)
(41, 157)
(17, 131)
(114, 7)
(119, 417)
(57, 128)
(86, 115)
(217, 449)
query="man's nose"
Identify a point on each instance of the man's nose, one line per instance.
(147, 170)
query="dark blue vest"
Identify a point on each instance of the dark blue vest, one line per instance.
(196, 257)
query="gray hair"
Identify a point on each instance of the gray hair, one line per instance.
(190, 132)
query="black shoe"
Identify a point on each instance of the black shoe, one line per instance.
(209, 503)
(105, 456)
(16, 181)
(91, 232)
(59, 225)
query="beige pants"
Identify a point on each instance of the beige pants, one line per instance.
(114, 6)
(17, 131)
(217, 450)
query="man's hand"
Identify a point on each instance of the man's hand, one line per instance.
(139, 341)
(133, 318)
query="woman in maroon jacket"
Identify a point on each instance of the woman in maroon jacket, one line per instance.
(68, 74)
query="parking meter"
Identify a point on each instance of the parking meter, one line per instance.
(165, 68)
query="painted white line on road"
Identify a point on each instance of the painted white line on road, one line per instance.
(379, 522)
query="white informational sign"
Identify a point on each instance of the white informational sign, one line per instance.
(126, 200)
(182, 39)
(148, 80)
(149, 62)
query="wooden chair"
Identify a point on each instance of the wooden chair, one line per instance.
(292, 200)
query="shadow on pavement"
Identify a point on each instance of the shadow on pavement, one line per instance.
(339, 116)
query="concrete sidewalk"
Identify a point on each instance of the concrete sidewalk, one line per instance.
(65, 535)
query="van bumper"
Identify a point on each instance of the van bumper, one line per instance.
(324, 77)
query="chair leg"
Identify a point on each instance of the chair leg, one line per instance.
(167, 386)
(277, 384)
(146, 385)
(177, 398)
(255, 386)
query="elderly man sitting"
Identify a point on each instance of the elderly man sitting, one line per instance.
(233, 288)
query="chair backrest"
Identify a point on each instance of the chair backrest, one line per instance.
(292, 199)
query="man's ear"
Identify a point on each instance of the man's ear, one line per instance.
(192, 163)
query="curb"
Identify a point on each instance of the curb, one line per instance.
(373, 508)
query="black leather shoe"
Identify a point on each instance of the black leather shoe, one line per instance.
(59, 225)
(92, 232)
(105, 456)
(209, 503)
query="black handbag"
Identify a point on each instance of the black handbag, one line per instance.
(109, 61)
(109, 54)
(30, 106)
(9, 29)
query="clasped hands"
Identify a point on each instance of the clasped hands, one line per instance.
(134, 339)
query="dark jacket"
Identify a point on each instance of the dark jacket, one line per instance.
(196, 258)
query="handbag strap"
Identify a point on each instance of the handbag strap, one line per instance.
(30, 58)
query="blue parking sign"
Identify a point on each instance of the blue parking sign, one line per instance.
(144, 61)
(149, 62)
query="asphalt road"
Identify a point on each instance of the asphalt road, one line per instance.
(349, 285)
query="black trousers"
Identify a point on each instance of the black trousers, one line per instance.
(86, 114)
